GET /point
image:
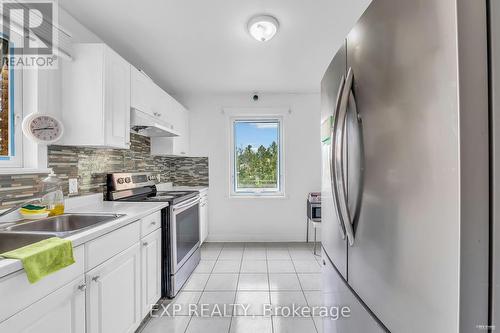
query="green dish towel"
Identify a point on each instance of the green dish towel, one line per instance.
(43, 258)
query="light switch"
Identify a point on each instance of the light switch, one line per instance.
(73, 186)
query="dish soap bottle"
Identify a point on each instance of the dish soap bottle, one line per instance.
(53, 198)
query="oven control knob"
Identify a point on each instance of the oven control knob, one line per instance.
(128, 180)
(151, 178)
(120, 180)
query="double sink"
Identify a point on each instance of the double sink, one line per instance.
(27, 232)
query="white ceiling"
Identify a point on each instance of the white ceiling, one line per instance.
(191, 46)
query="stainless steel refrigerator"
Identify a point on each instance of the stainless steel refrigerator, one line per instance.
(405, 193)
(494, 48)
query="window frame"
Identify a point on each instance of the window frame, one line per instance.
(256, 192)
(16, 117)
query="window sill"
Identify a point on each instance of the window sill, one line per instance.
(23, 171)
(280, 196)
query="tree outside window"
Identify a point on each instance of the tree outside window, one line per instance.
(5, 112)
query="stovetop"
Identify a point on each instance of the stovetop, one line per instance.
(172, 197)
(140, 187)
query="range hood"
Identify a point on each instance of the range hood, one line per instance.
(143, 124)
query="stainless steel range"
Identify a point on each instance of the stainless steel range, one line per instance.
(180, 224)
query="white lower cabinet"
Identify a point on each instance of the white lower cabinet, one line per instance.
(61, 311)
(151, 270)
(203, 217)
(109, 289)
(113, 294)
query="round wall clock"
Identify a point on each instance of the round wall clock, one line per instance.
(42, 128)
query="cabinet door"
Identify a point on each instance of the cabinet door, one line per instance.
(181, 143)
(203, 219)
(177, 117)
(117, 100)
(169, 114)
(113, 294)
(150, 270)
(61, 311)
(141, 91)
(161, 105)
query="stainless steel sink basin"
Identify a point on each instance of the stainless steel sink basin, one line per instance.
(63, 224)
(12, 241)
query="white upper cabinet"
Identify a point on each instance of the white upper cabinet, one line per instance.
(151, 99)
(96, 98)
(175, 146)
(181, 143)
(148, 97)
(142, 91)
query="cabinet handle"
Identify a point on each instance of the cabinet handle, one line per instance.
(82, 287)
(145, 244)
(96, 278)
(153, 223)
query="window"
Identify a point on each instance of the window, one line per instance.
(7, 146)
(10, 119)
(256, 159)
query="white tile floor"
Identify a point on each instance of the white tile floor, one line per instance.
(254, 274)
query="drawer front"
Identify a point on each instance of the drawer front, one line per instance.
(17, 293)
(150, 223)
(109, 245)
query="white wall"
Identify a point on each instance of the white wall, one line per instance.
(78, 32)
(258, 219)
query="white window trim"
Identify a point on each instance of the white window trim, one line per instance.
(31, 157)
(255, 115)
(15, 102)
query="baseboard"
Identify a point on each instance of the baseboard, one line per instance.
(283, 237)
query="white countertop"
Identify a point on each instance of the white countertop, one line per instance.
(133, 210)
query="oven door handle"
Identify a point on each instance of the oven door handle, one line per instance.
(187, 204)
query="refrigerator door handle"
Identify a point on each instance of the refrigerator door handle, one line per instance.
(332, 154)
(339, 143)
(357, 136)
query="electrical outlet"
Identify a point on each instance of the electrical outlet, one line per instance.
(73, 186)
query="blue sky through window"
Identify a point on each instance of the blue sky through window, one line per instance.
(255, 133)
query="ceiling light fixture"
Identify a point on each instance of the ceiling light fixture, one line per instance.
(263, 27)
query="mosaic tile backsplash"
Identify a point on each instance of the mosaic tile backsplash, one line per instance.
(90, 166)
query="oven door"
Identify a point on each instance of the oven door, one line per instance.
(185, 231)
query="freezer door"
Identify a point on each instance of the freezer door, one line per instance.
(404, 263)
(337, 296)
(332, 231)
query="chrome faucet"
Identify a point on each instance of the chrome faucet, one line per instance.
(16, 207)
